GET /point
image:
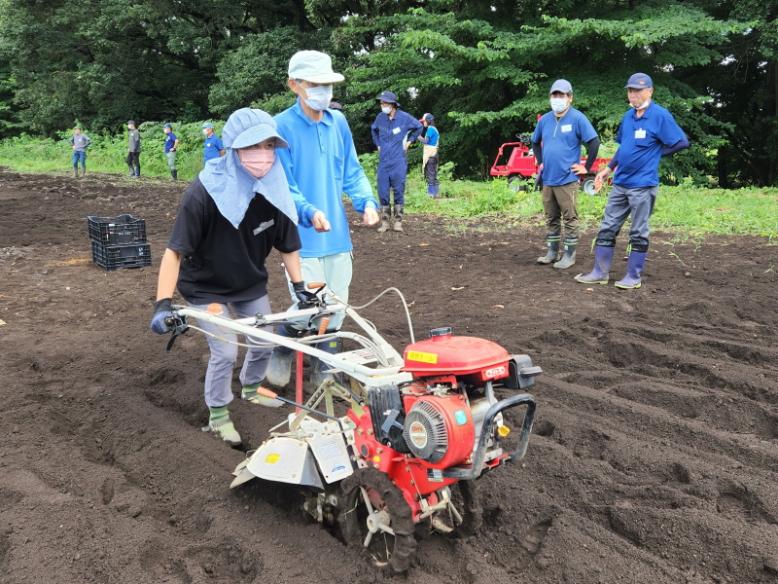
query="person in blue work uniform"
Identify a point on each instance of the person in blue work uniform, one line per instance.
(321, 164)
(212, 147)
(393, 131)
(556, 143)
(231, 217)
(430, 137)
(647, 133)
(171, 145)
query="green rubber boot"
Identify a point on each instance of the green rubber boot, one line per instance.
(220, 424)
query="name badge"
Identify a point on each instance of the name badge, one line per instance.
(640, 134)
(263, 226)
(396, 131)
(567, 128)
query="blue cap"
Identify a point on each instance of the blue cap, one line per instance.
(207, 126)
(429, 118)
(247, 126)
(639, 81)
(388, 97)
(168, 125)
(561, 85)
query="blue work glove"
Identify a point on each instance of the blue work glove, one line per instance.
(163, 313)
(305, 299)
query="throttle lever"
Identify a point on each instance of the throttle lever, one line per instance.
(180, 328)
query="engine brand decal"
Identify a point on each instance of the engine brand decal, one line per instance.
(272, 458)
(418, 434)
(422, 357)
(495, 372)
(461, 417)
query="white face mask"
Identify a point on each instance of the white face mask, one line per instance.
(558, 104)
(319, 97)
(205, 132)
(643, 105)
(387, 109)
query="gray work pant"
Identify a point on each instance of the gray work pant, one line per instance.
(621, 203)
(218, 377)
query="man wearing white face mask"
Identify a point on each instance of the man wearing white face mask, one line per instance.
(647, 133)
(557, 145)
(321, 165)
(231, 217)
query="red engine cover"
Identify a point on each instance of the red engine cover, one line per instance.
(455, 355)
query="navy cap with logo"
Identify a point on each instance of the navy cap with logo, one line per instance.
(388, 97)
(168, 125)
(639, 81)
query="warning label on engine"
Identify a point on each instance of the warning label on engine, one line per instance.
(422, 357)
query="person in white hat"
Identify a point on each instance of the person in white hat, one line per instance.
(321, 164)
(231, 217)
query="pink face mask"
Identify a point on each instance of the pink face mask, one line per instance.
(257, 161)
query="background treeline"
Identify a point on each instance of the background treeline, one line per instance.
(483, 67)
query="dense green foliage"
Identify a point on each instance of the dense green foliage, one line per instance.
(483, 68)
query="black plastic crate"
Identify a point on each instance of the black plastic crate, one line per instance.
(115, 257)
(116, 230)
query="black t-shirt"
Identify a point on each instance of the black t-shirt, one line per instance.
(220, 263)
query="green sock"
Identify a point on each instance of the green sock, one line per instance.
(219, 415)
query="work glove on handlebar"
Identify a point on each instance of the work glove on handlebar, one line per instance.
(305, 299)
(162, 320)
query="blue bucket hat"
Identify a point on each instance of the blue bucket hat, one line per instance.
(388, 97)
(247, 126)
(639, 81)
(207, 126)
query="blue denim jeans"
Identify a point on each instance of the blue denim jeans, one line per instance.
(621, 203)
(79, 156)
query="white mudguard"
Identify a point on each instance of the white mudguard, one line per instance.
(285, 460)
(329, 447)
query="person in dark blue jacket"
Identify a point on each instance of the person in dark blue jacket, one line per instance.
(393, 131)
(646, 134)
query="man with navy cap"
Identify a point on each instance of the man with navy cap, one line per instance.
(321, 165)
(231, 217)
(557, 145)
(647, 133)
(393, 131)
(133, 149)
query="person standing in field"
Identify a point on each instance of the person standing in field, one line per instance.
(393, 130)
(231, 217)
(79, 142)
(133, 149)
(212, 146)
(647, 133)
(430, 137)
(321, 164)
(171, 145)
(556, 143)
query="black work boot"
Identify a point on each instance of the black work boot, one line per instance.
(398, 218)
(552, 241)
(568, 258)
(319, 370)
(174, 174)
(386, 214)
(75, 171)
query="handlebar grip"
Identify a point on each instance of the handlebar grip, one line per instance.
(263, 391)
(325, 322)
(315, 285)
(215, 308)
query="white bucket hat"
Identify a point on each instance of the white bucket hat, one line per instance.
(313, 66)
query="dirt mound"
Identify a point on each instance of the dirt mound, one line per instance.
(655, 455)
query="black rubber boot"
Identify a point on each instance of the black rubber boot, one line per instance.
(397, 225)
(174, 174)
(386, 215)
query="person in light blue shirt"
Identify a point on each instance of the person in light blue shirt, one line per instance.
(213, 146)
(430, 137)
(321, 164)
(556, 143)
(647, 133)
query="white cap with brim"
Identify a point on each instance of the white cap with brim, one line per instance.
(313, 66)
(246, 127)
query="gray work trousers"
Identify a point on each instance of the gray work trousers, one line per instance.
(218, 376)
(621, 202)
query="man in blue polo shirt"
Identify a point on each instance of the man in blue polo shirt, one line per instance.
(321, 164)
(393, 131)
(646, 134)
(556, 143)
(171, 145)
(212, 147)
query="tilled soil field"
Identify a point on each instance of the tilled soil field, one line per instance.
(654, 458)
